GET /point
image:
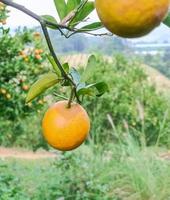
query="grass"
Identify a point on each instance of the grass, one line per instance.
(122, 172)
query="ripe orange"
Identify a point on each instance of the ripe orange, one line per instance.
(65, 128)
(38, 57)
(4, 22)
(36, 51)
(131, 18)
(37, 35)
(25, 87)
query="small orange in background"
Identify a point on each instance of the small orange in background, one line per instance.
(25, 87)
(37, 35)
(36, 51)
(4, 22)
(65, 128)
(41, 51)
(38, 57)
(26, 59)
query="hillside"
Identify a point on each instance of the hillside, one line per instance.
(154, 76)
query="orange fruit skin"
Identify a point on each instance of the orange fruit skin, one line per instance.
(131, 18)
(65, 128)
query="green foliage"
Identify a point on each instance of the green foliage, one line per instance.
(19, 67)
(52, 78)
(21, 56)
(160, 62)
(132, 104)
(72, 13)
(9, 188)
(3, 13)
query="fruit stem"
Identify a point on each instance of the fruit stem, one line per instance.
(71, 98)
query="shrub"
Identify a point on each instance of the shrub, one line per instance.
(21, 61)
(132, 104)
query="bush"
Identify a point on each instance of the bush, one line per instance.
(21, 62)
(132, 104)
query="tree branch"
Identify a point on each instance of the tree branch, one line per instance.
(43, 24)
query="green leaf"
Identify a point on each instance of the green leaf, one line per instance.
(97, 89)
(82, 14)
(101, 87)
(167, 20)
(75, 75)
(61, 8)
(85, 91)
(72, 4)
(54, 65)
(40, 86)
(80, 86)
(92, 27)
(89, 68)
(66, 67)
(50, 19)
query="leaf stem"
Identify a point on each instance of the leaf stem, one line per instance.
(60, 96)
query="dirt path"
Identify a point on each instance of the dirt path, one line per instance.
(24, 154)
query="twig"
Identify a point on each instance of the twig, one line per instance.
(60, 96)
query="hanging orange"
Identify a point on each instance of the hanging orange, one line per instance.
(65, 128)
(131, 18)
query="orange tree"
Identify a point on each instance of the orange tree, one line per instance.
(19, 66)
(119, 17)
(21, 58)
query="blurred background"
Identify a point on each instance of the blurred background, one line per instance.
(126, 156)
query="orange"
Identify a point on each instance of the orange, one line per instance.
(38, 57)
(131, 18)
(36, 51)
(25, 87)
(65, 128)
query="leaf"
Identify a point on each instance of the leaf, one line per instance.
(66, 67)
(97, 89)
(75, 75)
(89, 68)
(80, 86)
(85, 91)
(92, 27)
(82, 14)
(72, 4)
(54, 65)
(167, 20)
(40, 86)
(50, 19)
(61, 8)
(101, 87)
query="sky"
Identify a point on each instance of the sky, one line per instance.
(39, 7)
(17, 18)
